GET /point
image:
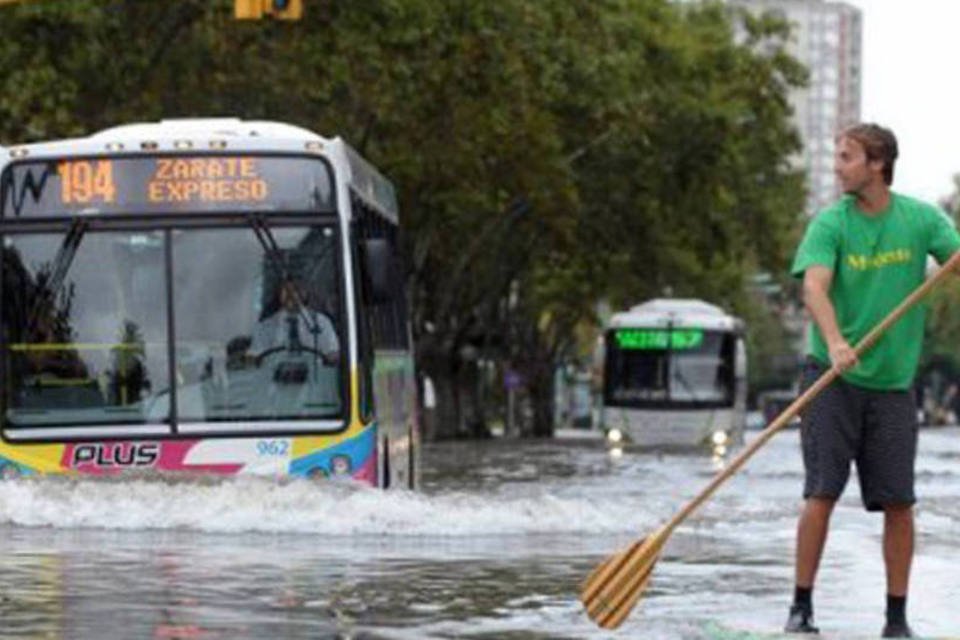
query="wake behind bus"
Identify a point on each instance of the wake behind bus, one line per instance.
(204, 296)
(674, 375)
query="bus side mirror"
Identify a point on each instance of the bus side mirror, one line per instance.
(380, 265)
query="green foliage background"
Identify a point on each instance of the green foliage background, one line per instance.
(547, 154)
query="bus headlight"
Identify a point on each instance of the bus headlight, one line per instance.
(9, 471)
(719, 438)
(340, 465)
(615, 436)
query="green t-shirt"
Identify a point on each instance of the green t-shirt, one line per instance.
(877, 261)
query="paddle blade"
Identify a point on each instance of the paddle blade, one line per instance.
(612, 590)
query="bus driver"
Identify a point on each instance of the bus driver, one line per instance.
(292, 327)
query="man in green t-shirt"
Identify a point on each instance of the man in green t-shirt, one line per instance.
(858, 259)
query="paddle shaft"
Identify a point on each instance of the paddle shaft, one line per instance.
(822, 382)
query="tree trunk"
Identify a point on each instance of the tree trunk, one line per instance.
(436, 363)
(471, 401)
(448, 417)
(541, 399)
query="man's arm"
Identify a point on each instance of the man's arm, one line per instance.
(816, 296)
(944, 237)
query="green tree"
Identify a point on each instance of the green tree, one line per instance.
(547, 154)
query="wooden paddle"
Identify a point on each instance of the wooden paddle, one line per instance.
(610, 592)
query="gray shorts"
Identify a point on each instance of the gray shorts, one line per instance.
(876, 429)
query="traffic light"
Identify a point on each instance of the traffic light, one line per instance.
(256, 9)
(284, 9)
(247, 9)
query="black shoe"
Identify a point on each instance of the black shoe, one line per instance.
(896, 630)
(800, 620)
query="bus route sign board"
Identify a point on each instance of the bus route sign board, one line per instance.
(658, 339)
(158, 184)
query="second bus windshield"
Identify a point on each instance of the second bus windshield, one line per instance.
(695, 371)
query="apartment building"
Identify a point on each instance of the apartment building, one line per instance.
(827, 39)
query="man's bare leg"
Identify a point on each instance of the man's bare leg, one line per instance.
(898, 548)
(811, 538)
(897, 556)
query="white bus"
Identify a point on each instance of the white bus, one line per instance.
(203, 296)
(674, 374)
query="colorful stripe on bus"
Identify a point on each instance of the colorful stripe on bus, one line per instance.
(349, 454)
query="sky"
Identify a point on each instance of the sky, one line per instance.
(911, 66)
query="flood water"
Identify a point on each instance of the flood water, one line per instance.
(494, 546)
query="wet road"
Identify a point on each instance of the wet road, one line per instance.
(493, 547)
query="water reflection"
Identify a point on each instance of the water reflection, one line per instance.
(32, 600)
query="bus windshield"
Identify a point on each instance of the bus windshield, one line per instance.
(657, 368)
(88, 319)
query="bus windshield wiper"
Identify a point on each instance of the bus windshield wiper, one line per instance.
(273, 252)
(686, 384)
(58, 271)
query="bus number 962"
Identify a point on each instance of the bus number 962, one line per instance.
(273, 447)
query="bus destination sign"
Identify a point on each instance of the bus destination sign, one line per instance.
(158, 184)
(658, 339)
(173, 180)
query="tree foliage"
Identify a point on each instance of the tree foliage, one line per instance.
(547, 154)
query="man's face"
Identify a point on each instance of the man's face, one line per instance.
(853, 170)
(288, 298)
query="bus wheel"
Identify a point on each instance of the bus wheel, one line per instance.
(386, 464)
(411, 464)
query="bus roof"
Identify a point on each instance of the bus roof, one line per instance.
(223, 135)
(676, 312)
